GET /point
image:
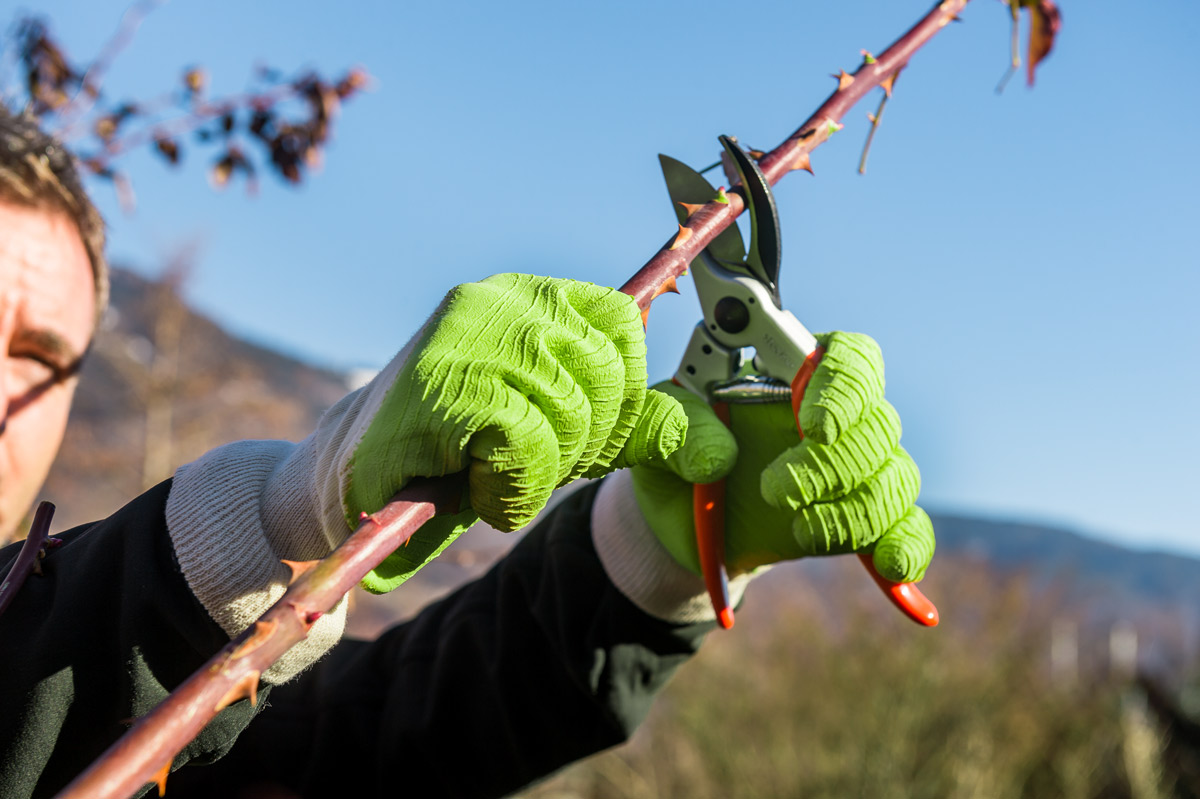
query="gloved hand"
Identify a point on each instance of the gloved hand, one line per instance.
(527, 382)
(848, 486)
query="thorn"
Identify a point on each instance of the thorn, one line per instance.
(803, 162)
(887, 83)
(755, 154)
(683, 235)
(721, 197)
(262, 631)
(867, 57)
(691, 208)
(160, 778)
(844, 79)
(245, 688)
(668, 285)
(299, 568)
(362, 517)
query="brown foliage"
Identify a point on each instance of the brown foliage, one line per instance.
(287, 120)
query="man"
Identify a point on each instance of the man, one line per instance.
(524, 382)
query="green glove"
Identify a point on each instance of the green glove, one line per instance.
(848, 486)
(528, 383)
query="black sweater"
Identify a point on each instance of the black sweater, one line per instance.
(536, 664)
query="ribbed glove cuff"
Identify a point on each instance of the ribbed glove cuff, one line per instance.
(230, 531)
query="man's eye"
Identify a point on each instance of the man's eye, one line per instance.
(28, 372)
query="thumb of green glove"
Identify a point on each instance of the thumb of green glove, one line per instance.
(526, 382)
(848, 486)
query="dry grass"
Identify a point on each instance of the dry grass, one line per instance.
(866, 706)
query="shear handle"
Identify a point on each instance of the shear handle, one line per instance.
(905, 596)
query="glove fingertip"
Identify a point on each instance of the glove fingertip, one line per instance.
(819, 425)
(847, 381)
(661, 428)
(904, 552)
(782, 483)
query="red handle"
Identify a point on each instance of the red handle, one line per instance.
(906, 596)
(708, 506)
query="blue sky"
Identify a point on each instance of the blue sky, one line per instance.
(1027, 261)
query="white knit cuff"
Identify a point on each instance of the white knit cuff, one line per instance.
(641, 567)
(230, 551)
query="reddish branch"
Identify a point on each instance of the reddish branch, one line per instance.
(792, 154)
(144, 754)
(28, 559)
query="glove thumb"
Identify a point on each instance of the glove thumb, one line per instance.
(661, 429)
(709, 451)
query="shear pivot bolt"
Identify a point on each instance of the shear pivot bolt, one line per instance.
(731, 314)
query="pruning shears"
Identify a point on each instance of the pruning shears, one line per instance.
(739, 298)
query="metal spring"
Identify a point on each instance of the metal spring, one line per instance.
(752, 389)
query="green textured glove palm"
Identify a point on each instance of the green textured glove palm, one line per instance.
(848, 486)
(528, 383)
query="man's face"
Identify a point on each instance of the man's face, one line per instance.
(47, 314)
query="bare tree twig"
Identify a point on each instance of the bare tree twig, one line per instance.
(89, 87)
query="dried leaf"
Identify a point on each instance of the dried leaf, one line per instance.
(168, 148)
(195, 80)
(221, 171)
(355, 80)
(1045, 21)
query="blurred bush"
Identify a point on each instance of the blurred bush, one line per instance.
(800, 702)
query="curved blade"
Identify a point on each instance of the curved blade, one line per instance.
(686, 185)
(765, 249)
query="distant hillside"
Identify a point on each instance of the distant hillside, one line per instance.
(1054, 553)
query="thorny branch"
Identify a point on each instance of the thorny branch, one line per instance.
(145, 753)
(659, 273)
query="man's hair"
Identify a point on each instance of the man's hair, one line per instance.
(37, 171)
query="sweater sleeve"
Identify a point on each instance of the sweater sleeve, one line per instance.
(540, 662)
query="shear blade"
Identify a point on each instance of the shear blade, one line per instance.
(686, 185)
(766, 252)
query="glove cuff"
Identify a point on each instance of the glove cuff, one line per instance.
(640, 566)
(230, 528)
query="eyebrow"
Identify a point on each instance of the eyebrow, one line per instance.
(54, 345)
